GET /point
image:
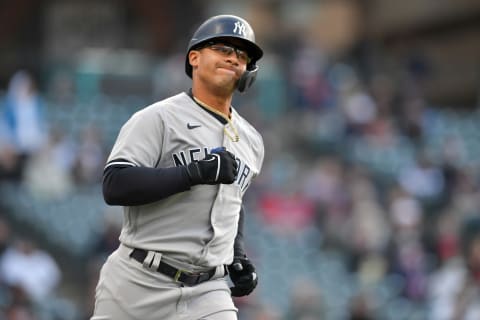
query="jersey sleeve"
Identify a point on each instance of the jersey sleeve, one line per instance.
(140, 140)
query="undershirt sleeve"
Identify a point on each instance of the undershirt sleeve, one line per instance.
(239, 245)
(125, 185)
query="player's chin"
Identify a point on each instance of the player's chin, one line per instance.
(227, 82)
(228, 74)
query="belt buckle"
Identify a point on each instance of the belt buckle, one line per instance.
(178, 274)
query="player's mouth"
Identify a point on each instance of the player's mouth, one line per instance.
(226, 70)
(229, 70)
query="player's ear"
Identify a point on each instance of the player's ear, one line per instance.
(193, 57)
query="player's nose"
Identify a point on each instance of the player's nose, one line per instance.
(232, 59)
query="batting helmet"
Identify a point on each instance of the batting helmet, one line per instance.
(228, 26)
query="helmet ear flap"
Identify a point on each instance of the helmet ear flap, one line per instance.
(247, 79)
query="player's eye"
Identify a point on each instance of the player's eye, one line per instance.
(224, 49)
(243, 56)
(228, 50)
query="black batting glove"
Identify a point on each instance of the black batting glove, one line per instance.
(243, 276)
(217, 167)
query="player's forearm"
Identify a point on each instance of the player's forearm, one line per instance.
(133, 186)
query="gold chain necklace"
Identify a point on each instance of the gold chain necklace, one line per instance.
(232, 136)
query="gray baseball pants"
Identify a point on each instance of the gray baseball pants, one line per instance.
(126, 290)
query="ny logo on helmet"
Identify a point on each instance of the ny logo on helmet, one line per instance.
(240, 28)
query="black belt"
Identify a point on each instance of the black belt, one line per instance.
(183, 276)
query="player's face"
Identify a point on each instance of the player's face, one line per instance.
(220, 64)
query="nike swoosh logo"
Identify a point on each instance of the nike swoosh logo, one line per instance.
(193, 126)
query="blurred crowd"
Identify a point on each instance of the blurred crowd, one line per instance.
(49, 164)
(29, 276)
(417, 221)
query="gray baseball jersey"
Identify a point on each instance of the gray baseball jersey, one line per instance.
(198, 226)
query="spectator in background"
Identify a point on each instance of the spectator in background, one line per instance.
(9, 165)
(15, 302)
(306, 302)
(51, 164)
(19, 307)
(310, 89)
(91, 157)
(362, 306)
(358, 107)
(32, 270)
(423, 180)
(414, 119)
(5, 234)
(446, 237)
(368, 226)
(256, 310)
(407, 252)
(23, 116)
(107, 242)
(455, 288)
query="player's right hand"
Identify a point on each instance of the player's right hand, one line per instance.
(243, 275)
(217, 167)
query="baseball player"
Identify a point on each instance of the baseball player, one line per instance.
(180, 168)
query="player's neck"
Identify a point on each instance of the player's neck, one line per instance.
(218, 102)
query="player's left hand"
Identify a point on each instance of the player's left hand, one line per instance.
(243, 275)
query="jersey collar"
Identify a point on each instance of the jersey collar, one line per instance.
(216, 116)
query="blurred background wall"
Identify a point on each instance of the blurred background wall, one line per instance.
(368, 203)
